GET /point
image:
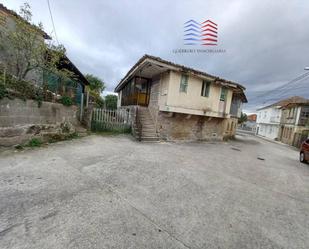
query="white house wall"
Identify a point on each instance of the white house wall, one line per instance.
(268, 121)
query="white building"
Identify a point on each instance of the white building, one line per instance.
(268, 121)
(269, 118)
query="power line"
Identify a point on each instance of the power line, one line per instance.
(281, 90)
(283, 87)
(52, 20)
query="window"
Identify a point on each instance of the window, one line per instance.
(305, 114)
(223, 93)
(183, 83)
(205, 88)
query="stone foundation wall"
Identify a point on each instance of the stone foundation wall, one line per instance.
(177, 126)
(22, 120)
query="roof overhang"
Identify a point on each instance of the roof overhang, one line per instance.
(66, 63)
(149, 66)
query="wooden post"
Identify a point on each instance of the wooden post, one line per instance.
(87, 98)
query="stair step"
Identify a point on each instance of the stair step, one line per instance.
(145, 118)
(146, 127)
(147, 132)
(150, 139)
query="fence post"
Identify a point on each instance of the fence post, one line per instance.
(87, 98)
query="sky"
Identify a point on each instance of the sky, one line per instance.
(266, 43)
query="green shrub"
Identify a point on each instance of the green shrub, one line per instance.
(72, 135)
(53, 138)
(34, 142)
(3, 91)
(66, 100)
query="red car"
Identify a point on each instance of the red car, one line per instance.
(304, 151)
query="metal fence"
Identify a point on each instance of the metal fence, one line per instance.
(111, 120)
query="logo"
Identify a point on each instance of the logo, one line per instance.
(205, 33)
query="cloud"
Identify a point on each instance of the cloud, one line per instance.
(266, 42)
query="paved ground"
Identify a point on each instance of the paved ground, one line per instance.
(112, 192)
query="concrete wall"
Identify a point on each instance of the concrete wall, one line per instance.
(271, 115)
(21, 120)
(191, 102)
(7, 22)
(270, 131)
(291, 115)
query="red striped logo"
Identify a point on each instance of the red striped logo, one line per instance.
(209, 33)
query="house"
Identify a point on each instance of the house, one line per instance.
(294, 123)
(251, 117)
(180, 103)
(8, 19)
(269, 118)
(73, 87)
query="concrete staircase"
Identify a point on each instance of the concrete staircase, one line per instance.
(149, 133)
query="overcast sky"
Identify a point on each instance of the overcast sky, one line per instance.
(266, 42)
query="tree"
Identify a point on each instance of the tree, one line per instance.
(243, 118)
(96, 84)
(111, 102)
(95, 88)
(25, 49)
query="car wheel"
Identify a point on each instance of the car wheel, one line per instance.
(302, 157)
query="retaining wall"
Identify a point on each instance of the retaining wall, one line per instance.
(22, 120)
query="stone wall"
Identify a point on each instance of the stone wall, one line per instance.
(22, 120)
(177, 126)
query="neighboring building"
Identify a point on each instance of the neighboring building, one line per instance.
(8, 20)
(294, 124)
(72, 87)
(269, 118)
(180, 102)
(251, 117)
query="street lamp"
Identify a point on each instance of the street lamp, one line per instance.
(306, 68)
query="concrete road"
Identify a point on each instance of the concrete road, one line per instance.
(113, 192)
